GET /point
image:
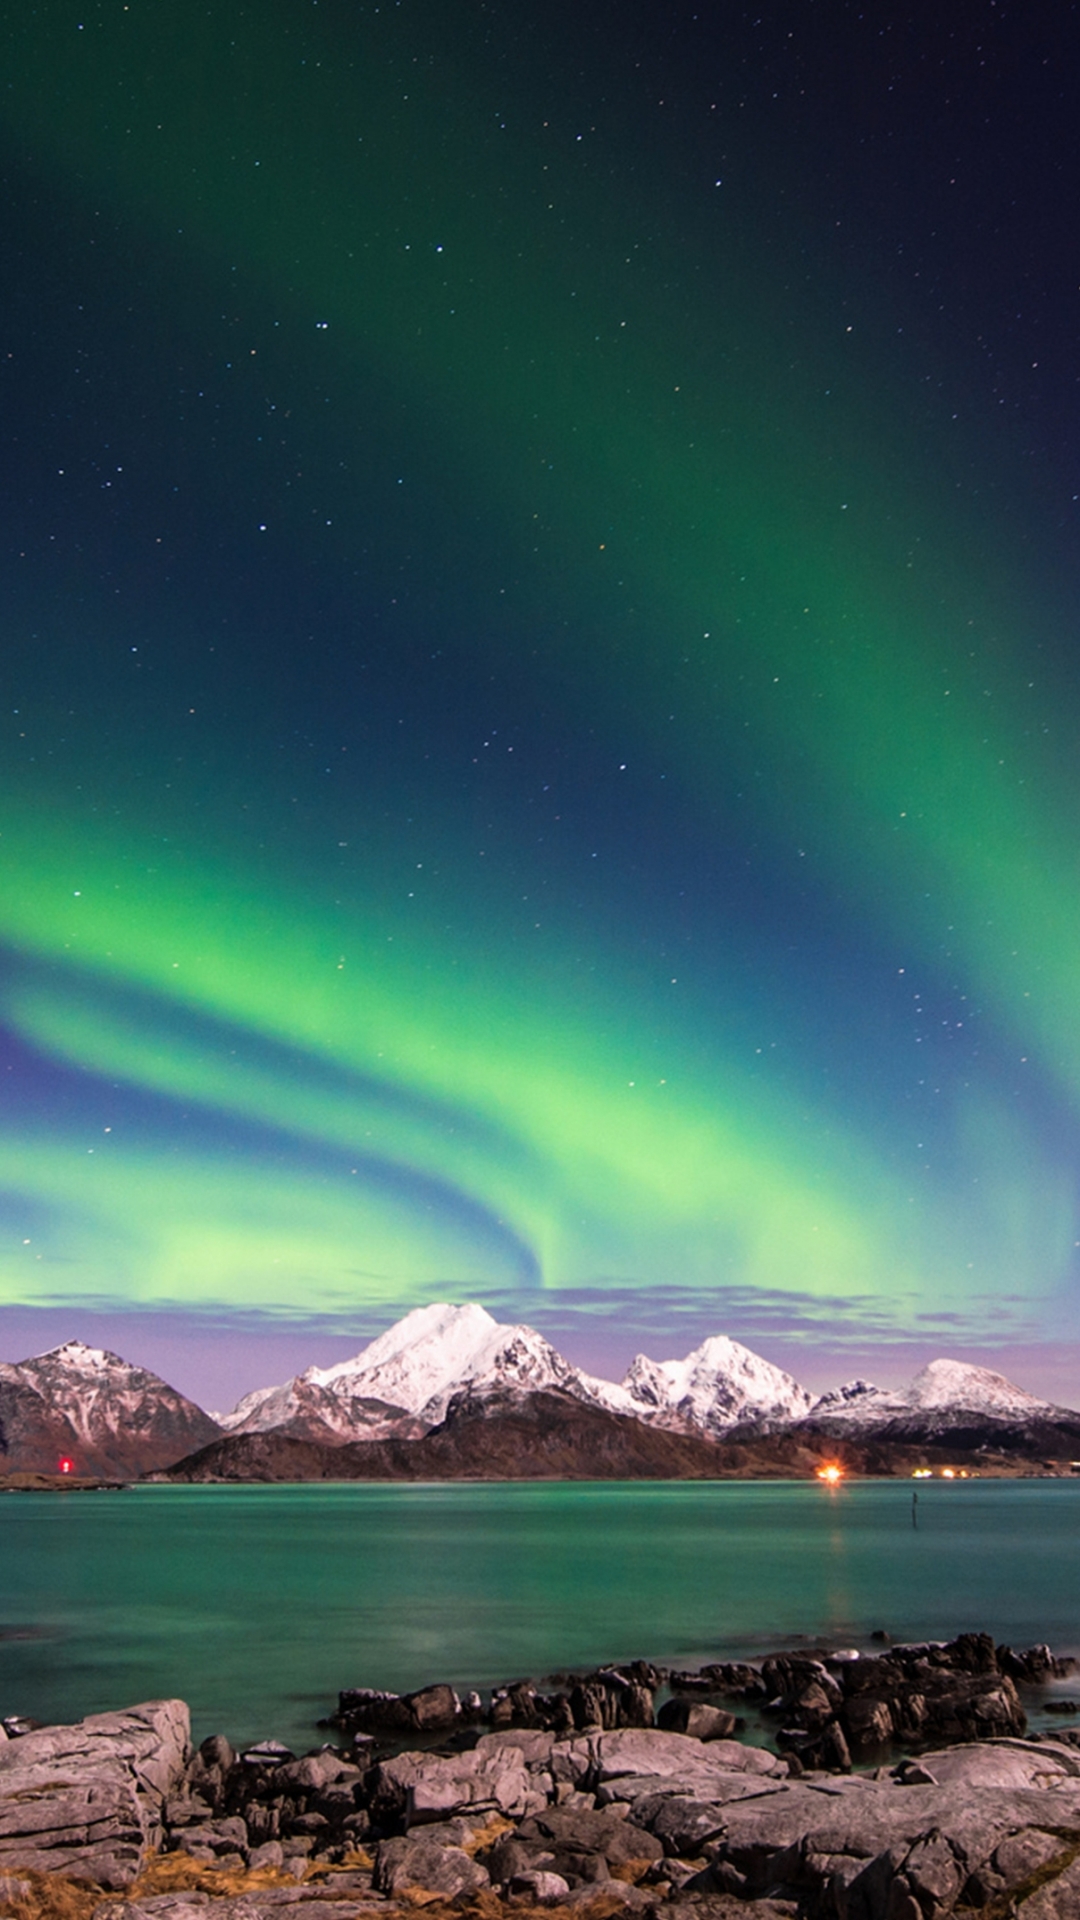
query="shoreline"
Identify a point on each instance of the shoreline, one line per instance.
(622, 1803)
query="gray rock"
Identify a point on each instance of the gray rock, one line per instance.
(1057, 1898)
(270, 1854)
(532, 1743)
(681, 1824)
(87, 1799)
(893, 1850)
(653, 1754)
(571, 1832)
(411, 1861)
(542, 1885)
(717, 1788)
(422, 1787)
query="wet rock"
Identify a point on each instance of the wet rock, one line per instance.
(431, 1707)
(696, 1718)
(1034, 1665)
(929, 1693)
(822, 1747)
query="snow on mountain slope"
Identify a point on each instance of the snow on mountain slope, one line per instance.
(954, 1384)
(402, 1383)
(943, 1392)
(109, 1417)
(718, 1386)
(405, 1379)
(859, 1402)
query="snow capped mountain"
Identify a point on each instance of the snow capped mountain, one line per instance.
(84, 1404)
(951, 1383)
(719, 1386)
(945, 1393)
(858, 1402)
(115, 1420)
(403, 1382)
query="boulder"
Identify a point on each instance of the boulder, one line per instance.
(1057, 1898)
(682, 1824)
(654, 1753)
(695, 1717)
(428, 1865)
(87, 1799)
(894, 1851)
(929, 1692)
(571, 1833)
(999, 1763)
(541, 1885)
(416, 1788)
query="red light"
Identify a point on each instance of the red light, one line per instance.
(66, 1465)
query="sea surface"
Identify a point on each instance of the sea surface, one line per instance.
(256, 1604)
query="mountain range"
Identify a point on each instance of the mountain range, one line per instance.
(448, 1392)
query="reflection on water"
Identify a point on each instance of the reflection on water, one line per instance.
(256, 1604)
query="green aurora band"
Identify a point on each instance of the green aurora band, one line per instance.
(729, 551)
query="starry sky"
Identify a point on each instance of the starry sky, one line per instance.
(538, 726)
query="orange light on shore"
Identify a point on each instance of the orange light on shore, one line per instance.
(831, 1473)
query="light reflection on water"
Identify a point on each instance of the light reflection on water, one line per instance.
(256, 1604)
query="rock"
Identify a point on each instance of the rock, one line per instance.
(1035, 1665)
(214, 1837)
(573, 1834)
(415, 1788)
(510, 1858)
(868, 1723)
(270, 1854)
(655, 1753)
(533, 1745)
(1058, 1898)
(428, 1865)
(918, 1850)
(681, 1824)
(432, 1707)
(695, 1718)
(999, 1763)
(266, 1753)
(87, 1799)
(542, 1885)
(949, 1692)
(821, 1747)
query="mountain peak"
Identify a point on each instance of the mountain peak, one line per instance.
(410, 1372)
(76, 1354)
(955, 1383)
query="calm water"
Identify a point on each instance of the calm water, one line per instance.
(257, 1603)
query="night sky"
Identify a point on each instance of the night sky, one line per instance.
(538, 733)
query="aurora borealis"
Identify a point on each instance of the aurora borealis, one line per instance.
(539, 582)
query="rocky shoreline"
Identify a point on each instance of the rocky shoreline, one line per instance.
(581, 1794)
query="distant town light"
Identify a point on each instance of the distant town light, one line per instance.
(831, 1473)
